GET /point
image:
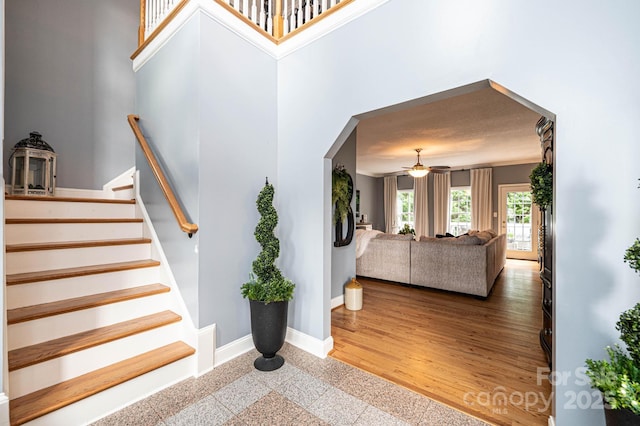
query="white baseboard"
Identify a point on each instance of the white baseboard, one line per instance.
(317, 347)
(232, 350)
(337, 301)
(206, 351)
(4, 410)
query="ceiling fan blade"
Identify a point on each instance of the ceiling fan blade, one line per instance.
(439, 169)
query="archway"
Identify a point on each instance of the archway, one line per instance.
(431, 99)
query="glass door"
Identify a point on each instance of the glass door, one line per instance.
(519, 220)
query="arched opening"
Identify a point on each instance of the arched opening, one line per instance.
(482, 380)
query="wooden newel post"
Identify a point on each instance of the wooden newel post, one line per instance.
(143, 12)
(278, 21)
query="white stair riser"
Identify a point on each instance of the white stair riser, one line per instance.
(106, 402)
(68, 288)
(61, 209)
(43, 329)
(44, 374)
(42, 233)
(43, 260)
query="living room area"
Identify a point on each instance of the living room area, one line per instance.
(451, 305)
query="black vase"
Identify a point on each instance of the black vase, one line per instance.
(268, 329)
(620, 417)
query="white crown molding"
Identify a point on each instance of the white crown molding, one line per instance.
(219, 14)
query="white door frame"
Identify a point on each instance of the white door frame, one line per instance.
(502, 216)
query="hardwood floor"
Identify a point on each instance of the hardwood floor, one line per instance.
(479, 356)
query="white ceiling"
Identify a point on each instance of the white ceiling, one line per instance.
(481, 128)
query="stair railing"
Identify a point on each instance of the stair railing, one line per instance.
(276, 19)
(185, 226)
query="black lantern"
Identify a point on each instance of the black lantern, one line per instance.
(33, 164)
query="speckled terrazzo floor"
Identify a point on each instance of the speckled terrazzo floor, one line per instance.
(305, 391)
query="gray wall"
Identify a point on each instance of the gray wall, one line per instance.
(372, 200)
(68, 76)
(189, 103)
(166, 86)
(343, 259)
(501, 175)
(238, 131)
(443, 45)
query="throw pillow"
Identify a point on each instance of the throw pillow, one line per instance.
(467, 240)
(399, 237)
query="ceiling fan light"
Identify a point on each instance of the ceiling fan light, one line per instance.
(417, 173)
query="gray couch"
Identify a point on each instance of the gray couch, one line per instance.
(459, 265)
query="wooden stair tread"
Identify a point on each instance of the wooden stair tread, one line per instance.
(122, 188)
(45, 351)
(13, 248)
(70, 199)
(45, 220)
(28, 313)
(44, 401)
(56, 274)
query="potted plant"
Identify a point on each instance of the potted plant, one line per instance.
(619, 377)
(341, 195)
(268, 290)
(406, 229)
(542, 184)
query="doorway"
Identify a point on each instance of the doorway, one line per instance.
(519, 219)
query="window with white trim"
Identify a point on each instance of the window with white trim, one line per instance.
(404, 208)
(459, 210)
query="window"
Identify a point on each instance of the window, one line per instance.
(404, 206)
(519, 215)
(460, 210)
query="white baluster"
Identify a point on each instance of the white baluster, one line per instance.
(245, 8)
(154, 16)
(147, 19)
(316, 8)
(307, 11)
(236, 5)
(333, 2)
(324, 6)
(285, 19)
(269, 18)
(262, 16)
(254, 12)
(299, 19)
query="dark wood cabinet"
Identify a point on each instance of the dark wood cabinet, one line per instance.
(545, 129)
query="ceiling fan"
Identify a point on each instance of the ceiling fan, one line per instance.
(418, 170)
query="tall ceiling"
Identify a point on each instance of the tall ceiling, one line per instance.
(481, 128)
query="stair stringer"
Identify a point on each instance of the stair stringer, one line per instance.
(203, 340)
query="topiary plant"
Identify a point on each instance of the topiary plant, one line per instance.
(542, 185)
(267, 284)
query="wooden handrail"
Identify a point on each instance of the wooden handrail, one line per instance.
(185, 226)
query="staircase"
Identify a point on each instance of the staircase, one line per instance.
(90, 325)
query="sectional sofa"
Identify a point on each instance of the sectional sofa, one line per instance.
(468, 264)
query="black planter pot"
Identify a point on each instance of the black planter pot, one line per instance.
(620, 417)
(268, 329)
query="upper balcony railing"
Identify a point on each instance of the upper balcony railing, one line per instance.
(276, 19)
